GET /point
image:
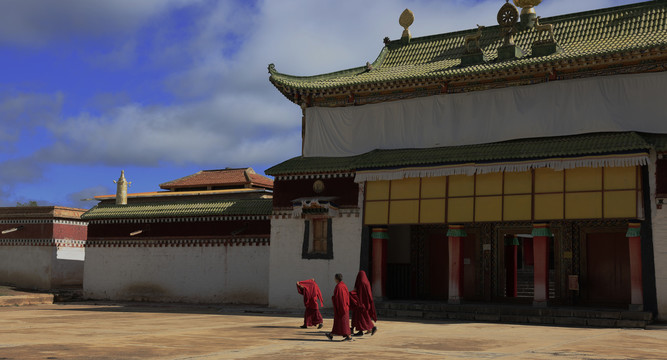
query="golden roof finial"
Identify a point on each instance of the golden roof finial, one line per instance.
(527, 5)
(121, 189)
(405, 20)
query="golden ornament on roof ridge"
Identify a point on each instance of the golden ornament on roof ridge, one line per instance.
(527, 5)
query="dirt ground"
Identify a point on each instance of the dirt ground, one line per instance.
(142, 331)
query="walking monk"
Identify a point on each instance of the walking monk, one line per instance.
(341, 305)
(311, 295)
(363, 306)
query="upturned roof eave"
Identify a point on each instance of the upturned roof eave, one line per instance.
(308, 87)
(551, 62)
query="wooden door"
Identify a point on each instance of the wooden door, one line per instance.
(470, 264)
(437, 277)
(607, 269)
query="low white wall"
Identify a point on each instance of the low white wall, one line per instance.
(218, 274)
(27, 266)
(287, 266)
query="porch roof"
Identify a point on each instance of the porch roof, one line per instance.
(515, 150)
(248, 207)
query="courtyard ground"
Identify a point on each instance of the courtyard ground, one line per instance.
(149, 331)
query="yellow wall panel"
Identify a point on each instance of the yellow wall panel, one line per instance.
(461, 185)
(548, 180)
(376, 213)
(404, 212)
(517, 207)
(405, 189)
(583, 179)
(518, 182)
(548, 206)
(432, 211)
(489, 208)
(434, 187)
(616, 178)
(377, 190)
(460, 210)
(583, 205)
(620, 204)
(489, 184)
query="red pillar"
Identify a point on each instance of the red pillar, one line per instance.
(455, 234)
(511, 267)
(541, 235)
(635, 252)
(379, 253)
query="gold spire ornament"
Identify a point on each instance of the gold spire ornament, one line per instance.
(528, 14)
(527, 5)
(405, 20)
(121, 189)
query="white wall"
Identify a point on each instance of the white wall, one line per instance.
(287, 267)
(659, 241)
(660, 253)
(218, 274)
(26, 266)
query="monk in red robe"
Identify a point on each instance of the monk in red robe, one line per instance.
(341, 305)
(311, 295)
(363, 306)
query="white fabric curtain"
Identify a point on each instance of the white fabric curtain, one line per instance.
(557, 108)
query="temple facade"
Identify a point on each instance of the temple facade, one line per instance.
(517, 163)
(203, 239)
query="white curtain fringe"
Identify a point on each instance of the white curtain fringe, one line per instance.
(471, 169)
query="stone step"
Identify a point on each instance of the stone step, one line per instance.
(515, 314)
(26, 299)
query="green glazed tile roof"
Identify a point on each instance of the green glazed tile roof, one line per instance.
(658, 142)
(180, 209)
(528, 149)
(600, 32)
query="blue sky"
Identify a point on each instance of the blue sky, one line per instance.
(165, 88)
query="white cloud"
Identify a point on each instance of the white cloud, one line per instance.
(223, 130)
(36, 22)
(23, 111)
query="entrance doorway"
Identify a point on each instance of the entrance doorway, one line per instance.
(516, 266)
(418, 263)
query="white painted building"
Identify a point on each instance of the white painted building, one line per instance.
(42, 247)
(485, 161)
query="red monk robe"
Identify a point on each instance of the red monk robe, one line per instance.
(363, 305)
(311, 295)
(341, 305)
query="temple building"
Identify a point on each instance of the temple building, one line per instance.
(517, 163)
(205, 239)
(42, 247)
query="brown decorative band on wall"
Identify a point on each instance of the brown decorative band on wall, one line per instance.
(288, 214)
(315, 176)
(43, 221)
(43, 242)
(184, 219)
(179, 243)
